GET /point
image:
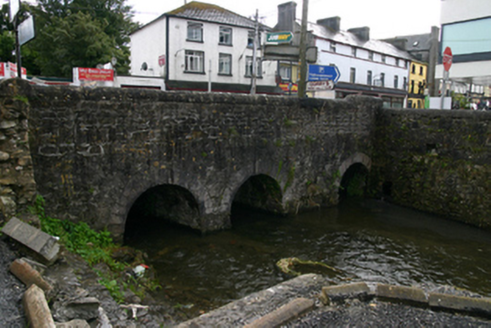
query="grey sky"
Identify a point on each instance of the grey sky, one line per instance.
(386, 18)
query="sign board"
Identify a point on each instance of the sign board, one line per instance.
(26, 30)
(289, 87)
(288, 52)
(279, 37)
(323, 73)
(447, 58)
(14, 9)
(12, 70)
(162, 60)
(95, 74)
(320, 85)
(2, 70)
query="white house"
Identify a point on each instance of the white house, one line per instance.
(367, 67)
(200, 46)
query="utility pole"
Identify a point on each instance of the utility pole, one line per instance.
(17, 47)
(303, 51)
(254, 56)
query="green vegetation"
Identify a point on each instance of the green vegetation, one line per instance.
(71, 33)
(94, 247)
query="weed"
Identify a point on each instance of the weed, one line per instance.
(94, 247)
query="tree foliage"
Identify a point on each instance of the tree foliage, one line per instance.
(75, 33)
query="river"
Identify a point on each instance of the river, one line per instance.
(369, 240)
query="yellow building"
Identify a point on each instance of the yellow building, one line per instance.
(290, 74)
(417, 84)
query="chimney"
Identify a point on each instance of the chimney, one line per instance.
(333, 23)
(286, 16)
(362, 33)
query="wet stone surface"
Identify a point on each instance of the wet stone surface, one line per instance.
(382, 314)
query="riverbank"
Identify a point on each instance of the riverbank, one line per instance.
(71, 276)
(73, 279)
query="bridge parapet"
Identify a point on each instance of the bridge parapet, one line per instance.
(96, 151)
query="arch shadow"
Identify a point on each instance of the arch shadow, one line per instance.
(167, 203)
(260, 193)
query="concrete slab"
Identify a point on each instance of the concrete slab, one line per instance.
(283, 314)
(401, 294)
(341, 292)
(43, 246)
(471, 305)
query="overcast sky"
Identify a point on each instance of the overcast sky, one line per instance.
(386, 18)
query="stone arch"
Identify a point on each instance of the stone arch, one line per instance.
(163, 203)
(132, 191)
(358, 162)
(259, 192)
(353, 159)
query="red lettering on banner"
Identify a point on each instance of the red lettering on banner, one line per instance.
(95, 74)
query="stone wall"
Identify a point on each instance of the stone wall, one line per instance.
(95, 151)
(435, 161)
(17, 185)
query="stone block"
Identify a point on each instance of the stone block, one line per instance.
(37, 309)
(340, 293)
(471, 305)
(28, 275)
(4, 156)
(86, 308)
(283, 314)
(401, 294)
(43, 246)
(73, 324)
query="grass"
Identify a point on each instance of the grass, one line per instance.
(94, 247)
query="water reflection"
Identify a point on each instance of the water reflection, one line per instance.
(371, 241)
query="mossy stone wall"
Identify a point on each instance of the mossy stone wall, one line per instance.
(435, 161)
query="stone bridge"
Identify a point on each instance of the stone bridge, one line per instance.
(104, 155)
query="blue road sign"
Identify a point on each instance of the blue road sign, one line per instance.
(323, 73)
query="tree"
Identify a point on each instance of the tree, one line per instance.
(7, 38)
(77, 40)
(109, 24)
(71, 33)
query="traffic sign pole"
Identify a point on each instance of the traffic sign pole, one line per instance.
(447, 63)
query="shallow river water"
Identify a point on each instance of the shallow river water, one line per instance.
(368, 240)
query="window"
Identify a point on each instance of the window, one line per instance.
(195, 32)
(370, 55)
(248, 68)
(225, 64)
(404, 86)
(413, 70)
(353, 51)
(352, 75)
(369, 78)
(195, 61)
(396, 82)
(382, 79)
(384, 58)
(397, 62)
(285, 72)
(406, 64)
(225, 36)
(250, 39)
(412, 87)
(332, 47)
(421, 70)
